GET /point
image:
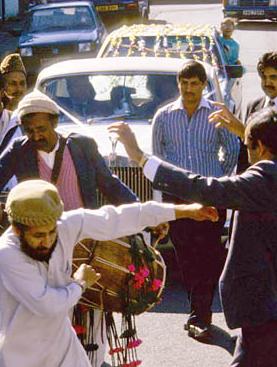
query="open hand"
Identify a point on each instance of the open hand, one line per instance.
(225, 118)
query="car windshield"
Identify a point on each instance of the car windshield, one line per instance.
(186, 46)
(63, 18)
(105, 97)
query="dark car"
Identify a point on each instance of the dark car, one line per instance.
(250, 9)
(60, 31)
(124, 7)
(110, 7)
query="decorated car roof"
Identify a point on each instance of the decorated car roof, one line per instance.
(169, 40)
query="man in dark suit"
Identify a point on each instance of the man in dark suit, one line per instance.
(267, 70)
(248, 284)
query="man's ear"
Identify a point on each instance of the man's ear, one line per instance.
(16, 231)
(263, 150)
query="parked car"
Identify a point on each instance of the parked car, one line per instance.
(60, 31)
(140, 8)
(200, 42)
(111, 7)
(121, 91)
(250, 9)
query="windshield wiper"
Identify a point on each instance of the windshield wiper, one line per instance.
(123, 116)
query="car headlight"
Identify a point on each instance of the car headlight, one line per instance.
(84, 47)
(233, 2)
(26, 51)
(272, 2)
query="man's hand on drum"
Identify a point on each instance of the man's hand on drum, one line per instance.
(86, 276)
(160, 231)
(196, 212)
(127, 137)
(225, 118)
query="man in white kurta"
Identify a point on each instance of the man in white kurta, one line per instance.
(36, 296)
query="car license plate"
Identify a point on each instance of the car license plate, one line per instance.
(107, 7)
(253, 12)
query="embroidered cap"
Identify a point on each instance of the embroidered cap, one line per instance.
(34, 203)
(12, 62)
(36, 102)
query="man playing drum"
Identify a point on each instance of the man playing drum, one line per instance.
(36, 286)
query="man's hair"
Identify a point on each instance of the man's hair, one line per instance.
(53, 118)
(228, 19)
(21, 227)
(269, 59)
(263, 126)
(192, 69)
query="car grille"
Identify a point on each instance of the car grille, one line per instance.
(254, 3)
(135, 179)
(50, 51)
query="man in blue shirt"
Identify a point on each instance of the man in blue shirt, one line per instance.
(183, 136)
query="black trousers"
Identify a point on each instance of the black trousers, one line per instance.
(256, 346)
(201, 257)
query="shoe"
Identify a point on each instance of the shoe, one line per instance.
(198, 332)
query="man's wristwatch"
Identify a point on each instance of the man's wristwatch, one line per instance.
(143, 160)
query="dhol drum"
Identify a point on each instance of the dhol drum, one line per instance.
(132, 274)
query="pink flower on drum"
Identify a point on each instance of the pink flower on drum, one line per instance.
(144, 271)
(135, 363)
(134, 344)
(131, 268)
(139, 278)
(138, 284)
(116, 350)
(79, 329)
(157, 283)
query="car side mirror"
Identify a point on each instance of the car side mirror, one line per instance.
(234, 71)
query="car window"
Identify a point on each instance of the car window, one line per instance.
(66, 18)
(103, 96)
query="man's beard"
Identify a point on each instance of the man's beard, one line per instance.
(36, 253)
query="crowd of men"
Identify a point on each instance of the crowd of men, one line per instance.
(51, 177)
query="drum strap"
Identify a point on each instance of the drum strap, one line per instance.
(58, 160)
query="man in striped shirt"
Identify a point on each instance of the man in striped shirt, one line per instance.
(183, 136)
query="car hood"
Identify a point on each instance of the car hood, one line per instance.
(54, 38)
(99, 132)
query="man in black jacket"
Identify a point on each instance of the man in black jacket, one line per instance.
(267, 69)
(248, 283)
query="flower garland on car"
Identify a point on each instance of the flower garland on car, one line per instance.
(133, 39)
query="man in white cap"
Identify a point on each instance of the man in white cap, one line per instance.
(36, 287)
(73, 163)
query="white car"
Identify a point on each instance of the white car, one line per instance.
(93, 93)
(197, 41)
